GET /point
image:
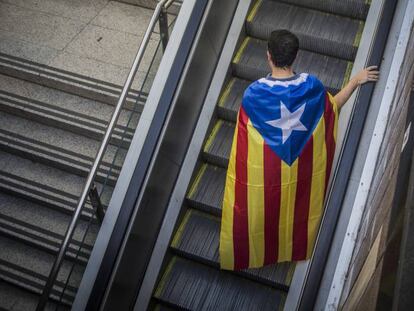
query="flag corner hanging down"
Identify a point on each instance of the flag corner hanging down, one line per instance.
(279, 166)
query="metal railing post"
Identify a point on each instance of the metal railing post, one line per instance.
(163, 24)
(92, 174)
(96, 203)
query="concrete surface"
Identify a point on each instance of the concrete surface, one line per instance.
(97, 38)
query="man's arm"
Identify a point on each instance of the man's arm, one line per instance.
(365, 75)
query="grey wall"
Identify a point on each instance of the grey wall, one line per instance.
(364, 275)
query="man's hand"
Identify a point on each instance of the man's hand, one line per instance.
(369, 74)
(366, 75)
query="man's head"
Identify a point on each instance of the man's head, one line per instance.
(282, 48)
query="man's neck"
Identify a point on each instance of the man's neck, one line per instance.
(282, 73)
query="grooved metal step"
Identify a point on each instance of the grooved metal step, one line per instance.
(218, 145)
(44, 185)
(319, 32)
(68, 81)
(351, 8)
(231, 98)
(28, 268)
(250, 63)
(57, 148)
(43, 227)
(207, 190)
(198, 237)
(213, 289)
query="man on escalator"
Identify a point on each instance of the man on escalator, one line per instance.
(280, 162)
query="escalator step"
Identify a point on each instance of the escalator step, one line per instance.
(159, 307)
(231, 98)
(250, 63)
(350, 8)
(198, 238)
(212, 289)
(218, 145)
(207, 190)
(317, 31)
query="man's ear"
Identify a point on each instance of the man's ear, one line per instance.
(269, 59)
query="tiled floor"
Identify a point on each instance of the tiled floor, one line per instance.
(97, 38)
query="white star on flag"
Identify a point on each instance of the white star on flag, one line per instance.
(289, 121)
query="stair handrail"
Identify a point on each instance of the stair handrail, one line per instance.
(161, 6)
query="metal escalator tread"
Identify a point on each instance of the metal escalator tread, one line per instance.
(251, 64)
(198, 239)
(320, 32)
(207, 191)
(231, 98)
(160, 307)
(218, 145)
(350, 8)
(213, 289)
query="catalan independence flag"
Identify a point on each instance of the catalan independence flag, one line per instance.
(278, 172)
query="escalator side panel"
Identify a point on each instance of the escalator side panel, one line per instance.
(187, 102)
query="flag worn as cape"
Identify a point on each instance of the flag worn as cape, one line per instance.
(278, 172)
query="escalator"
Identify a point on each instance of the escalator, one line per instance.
(329, 34)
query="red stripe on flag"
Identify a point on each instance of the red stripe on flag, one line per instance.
(272, 192)
(240, 218)
(302, 201)
(329, 116)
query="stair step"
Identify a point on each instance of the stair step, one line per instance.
(250, 63)
(207, 190)
(93, 111)
(350, 8)
(57, 148)
(58, 117)
(198, 239)
(213, 289)
(218, 145)
(28, 268)
(44, 227)
(17, 299)
(319, 32)
(44, 185)
(68, 81)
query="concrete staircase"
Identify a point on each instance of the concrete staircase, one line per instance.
(51, 126)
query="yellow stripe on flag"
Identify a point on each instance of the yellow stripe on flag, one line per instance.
(255, 196)
(287, 208)
(226, 234)
(318, 183)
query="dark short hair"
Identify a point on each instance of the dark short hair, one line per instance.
(283, 47)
